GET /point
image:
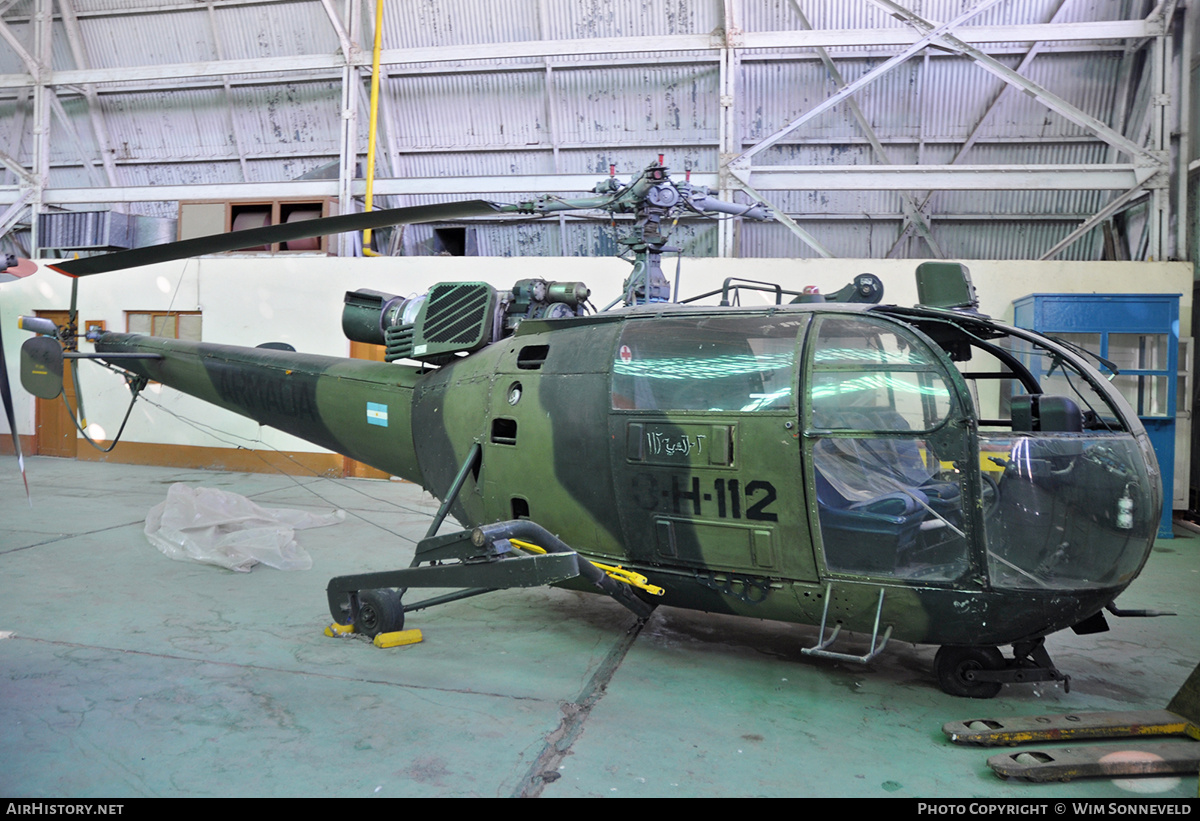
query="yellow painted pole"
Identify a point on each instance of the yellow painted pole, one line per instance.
(367, 252)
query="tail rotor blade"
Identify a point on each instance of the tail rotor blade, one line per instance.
(284, 232)
(9, 412)
(72, 343)
(78, 396)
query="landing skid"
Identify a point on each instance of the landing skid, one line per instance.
(470, 562)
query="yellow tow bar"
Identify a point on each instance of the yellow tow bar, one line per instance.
(619, 573)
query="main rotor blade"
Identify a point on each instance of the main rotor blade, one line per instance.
(285, 232)
(19, 268)
(9, 411)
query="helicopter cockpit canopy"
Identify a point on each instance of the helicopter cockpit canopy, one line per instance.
(932, 452)
(1069, 480)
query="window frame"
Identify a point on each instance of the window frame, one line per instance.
(154, 316)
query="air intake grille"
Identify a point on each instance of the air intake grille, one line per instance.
(457, 313)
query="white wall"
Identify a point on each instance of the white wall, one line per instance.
(247, 301)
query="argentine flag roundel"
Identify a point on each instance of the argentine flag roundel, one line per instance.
(377, 414)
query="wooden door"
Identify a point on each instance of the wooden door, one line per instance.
(54, 432)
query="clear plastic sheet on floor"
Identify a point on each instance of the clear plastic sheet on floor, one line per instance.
(216, 527)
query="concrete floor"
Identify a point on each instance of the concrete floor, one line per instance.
(125, 673)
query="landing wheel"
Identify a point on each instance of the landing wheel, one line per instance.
(955, 667)
(379, 611)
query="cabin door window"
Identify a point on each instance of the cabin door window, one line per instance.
(889, 500)
(706, 452)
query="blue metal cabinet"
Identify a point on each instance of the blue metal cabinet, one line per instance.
(1139, 333)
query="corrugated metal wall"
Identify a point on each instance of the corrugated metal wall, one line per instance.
(579, 113)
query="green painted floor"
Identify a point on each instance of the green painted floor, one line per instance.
(125, 673)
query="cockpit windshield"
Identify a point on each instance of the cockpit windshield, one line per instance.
(1067, 491)
(1070, 484)
(1072, 510)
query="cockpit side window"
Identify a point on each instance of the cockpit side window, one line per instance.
(890, 501)
(868, 375)
(736, 363)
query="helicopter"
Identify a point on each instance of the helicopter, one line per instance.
(924, 474)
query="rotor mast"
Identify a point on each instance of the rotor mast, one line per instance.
(655, 200)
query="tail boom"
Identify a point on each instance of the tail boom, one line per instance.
(355, 407)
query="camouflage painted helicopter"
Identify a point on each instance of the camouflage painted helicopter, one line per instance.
(923, 474)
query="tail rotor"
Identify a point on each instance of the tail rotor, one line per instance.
(71, 340)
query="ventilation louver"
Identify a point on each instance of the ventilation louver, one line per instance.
(456, 317)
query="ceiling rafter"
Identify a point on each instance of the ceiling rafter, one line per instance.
(1053, 101)
(228, 87)
(490, 52)
(95, 114)
(913, 210)
(977, 130)
(599, 61)
(866, 79)
(1150, 163)
(739, 167)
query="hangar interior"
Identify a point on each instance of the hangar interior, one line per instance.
(1046, 144)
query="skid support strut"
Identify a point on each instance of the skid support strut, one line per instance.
(479, 561)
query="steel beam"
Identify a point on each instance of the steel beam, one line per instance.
(728, 131)
(1052, 101)
(68, 128)
(6, 34)
(1187, 51)
(871, 76)
(980, 35)
(43, 35)
(348, 154)
(95, 115)
(21, 172)
(349, 49)
(822, 38)
(823, 177)
(912, 209)
(977, 130)
(947, 177)
(1091, 222)
(804, 236)
(306, 189)
(13, 212)
(232, 118)
(709, 57)
(1152, 159)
